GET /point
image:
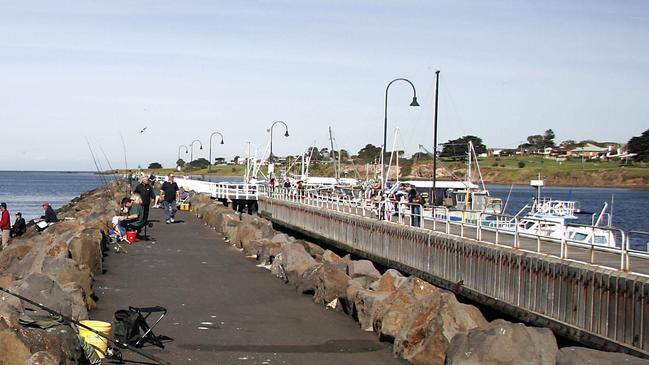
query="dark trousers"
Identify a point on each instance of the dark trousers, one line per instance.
(145, 212)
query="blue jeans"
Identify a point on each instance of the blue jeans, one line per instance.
(170, 209)
(416, 211)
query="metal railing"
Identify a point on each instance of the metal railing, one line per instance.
(231, 191)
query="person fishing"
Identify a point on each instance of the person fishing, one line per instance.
(50, 214)
(133, 219)
(20, 227)
(5, 225)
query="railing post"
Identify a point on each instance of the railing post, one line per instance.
(516, 237)
(624, 259)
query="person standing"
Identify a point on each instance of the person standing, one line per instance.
(145, 191)
(19, 227)
(170, 189)
(416, 202)
(5, 225)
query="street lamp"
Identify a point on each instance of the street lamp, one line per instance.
(180, 147)
(435, 138)
(191, 155)
(385, 125)
(212, 135)
(270, 158)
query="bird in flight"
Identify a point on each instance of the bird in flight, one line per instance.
(143, 129)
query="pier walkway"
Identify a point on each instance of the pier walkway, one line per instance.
(246, 315)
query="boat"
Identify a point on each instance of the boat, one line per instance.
(557, 219)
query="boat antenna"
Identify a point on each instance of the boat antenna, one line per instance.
(610, 219)
(508, 196)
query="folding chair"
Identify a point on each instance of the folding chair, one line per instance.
(149, 336)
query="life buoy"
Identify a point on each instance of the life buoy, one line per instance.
(560, 209)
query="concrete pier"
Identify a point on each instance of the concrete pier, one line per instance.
(222, 308)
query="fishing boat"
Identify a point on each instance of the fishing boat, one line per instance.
(557, 219)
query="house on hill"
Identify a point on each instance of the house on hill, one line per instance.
(588, 150)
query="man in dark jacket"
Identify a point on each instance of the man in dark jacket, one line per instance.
(20, 227)
(50, 214)
(145, 190)
(170, 188)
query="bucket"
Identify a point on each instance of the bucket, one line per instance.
(99, 343)
(131, 236)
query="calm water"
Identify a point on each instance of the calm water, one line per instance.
(25, 191)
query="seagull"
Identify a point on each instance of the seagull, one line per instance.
(143, 129)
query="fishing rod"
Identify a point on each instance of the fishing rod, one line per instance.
(103, 178)
(79, 324)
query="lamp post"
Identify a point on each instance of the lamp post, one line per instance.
(212, 135)
(435, 137)
(270, 158)
(179, 148)
(385, 125)
(191, 154)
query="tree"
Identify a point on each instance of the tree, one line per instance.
(540, 142)
(344, 155)
(180, 163)
(459, 148)
(236, 159)
(369, 153)
(200, 163)
(568, 142)
(219, 161)
(640, 145)
(155, 165)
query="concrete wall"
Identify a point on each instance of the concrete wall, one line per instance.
(604, 308)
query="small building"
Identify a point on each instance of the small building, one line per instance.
(588, 150)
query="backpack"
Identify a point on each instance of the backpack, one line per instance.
(418, 199)
(126, 327)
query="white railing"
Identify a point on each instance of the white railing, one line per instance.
(230, 191)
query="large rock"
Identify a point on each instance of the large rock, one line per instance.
(41, 358)
(13, 351)
(268, 252)
(42, 289)
(295, 261)
(245, 233)
(13, 253)
(86, 250)
(331, 283)
(502, 342)
(581, 355)
(254, 247)
(362, 268)
(314, 250)
(394, 311)
(366, 302)
(305, 283)
(281, 238)
(435, 320)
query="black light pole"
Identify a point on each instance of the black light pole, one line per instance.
(212, 135)
(182, 146)
(191, 155)
(385, 125)
(435, 136)
(270, 158)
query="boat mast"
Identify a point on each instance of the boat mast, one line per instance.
(333, 154)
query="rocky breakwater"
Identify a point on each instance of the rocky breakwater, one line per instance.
(426, 324)
(55, 268)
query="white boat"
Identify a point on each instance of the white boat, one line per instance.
(557, 219)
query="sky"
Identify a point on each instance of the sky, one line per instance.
(77, 76)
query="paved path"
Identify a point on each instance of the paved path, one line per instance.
(256, 318)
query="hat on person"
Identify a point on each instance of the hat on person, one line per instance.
(151, 177)
(4, 205)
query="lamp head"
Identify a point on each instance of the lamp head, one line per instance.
(221, 141)
(414, 101)
(201, 147)
(286, 134)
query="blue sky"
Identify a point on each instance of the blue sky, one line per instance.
(76, 69)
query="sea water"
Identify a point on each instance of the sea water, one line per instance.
(26, 191)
